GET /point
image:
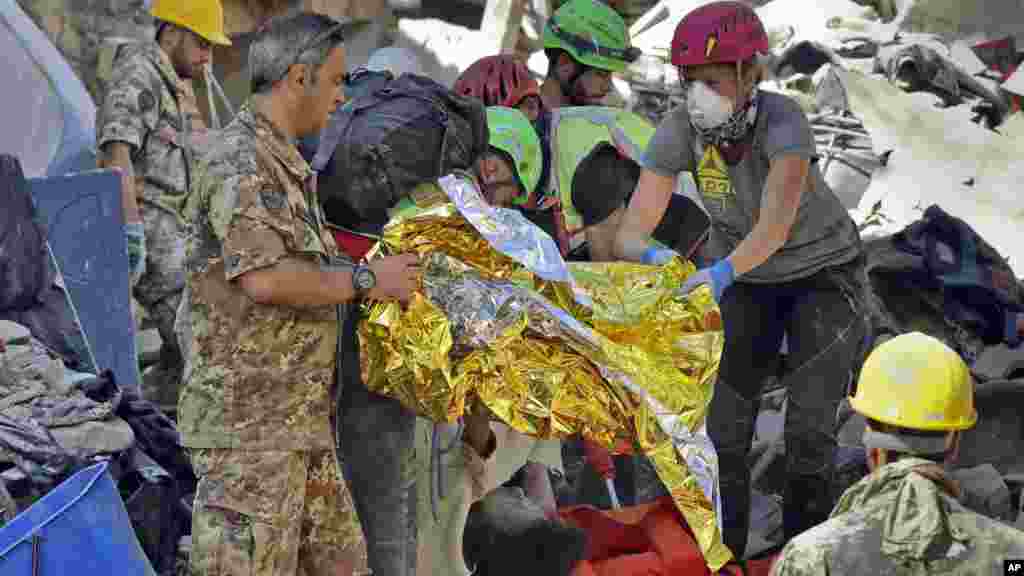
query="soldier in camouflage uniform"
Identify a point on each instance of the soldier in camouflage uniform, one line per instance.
(905, 518)
(145, 127)
(263, 296)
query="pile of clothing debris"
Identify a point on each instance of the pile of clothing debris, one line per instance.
(58, 413)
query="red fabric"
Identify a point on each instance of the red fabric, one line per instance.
(354, 245)
(646, 564)
(999, 55)
(647, 540)
(761, 567)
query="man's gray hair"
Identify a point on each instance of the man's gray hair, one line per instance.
(297, 38)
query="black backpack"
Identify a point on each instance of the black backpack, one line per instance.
(396, 135)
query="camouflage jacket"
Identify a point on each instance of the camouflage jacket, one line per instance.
(258, 377)
(902, 519)
(150, 108)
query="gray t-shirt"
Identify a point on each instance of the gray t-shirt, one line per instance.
(823, 233)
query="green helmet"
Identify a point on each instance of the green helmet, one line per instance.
(592, 33)
(512, 133)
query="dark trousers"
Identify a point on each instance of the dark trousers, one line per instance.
(822, 317)
(376, 437)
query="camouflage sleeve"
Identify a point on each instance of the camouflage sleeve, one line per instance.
(201, 185)
(210, 179)
(794, 561)
(129, 108)
(259, 229)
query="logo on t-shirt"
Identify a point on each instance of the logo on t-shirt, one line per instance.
(713, 176)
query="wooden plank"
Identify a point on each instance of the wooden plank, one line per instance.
(502, 20)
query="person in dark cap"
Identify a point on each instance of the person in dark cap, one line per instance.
(601, 189)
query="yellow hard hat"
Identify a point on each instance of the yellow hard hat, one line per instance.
(915, 381)
(204, 17)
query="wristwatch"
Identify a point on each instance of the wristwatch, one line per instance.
(363, 279)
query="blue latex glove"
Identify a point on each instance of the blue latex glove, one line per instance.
(135, 234)
(719, 276)
(655, 256)
(1013, 333)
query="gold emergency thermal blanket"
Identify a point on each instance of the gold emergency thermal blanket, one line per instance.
(608, 350)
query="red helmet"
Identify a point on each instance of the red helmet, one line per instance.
(498, 81)
(718, 33)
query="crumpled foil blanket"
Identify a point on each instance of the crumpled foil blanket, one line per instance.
(606, 350)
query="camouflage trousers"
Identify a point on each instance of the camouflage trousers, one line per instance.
(158, 291)
(273, 514)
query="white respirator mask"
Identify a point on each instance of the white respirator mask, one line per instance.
(708, 110)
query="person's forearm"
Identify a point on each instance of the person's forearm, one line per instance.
(644, 212)
(783, 190)
(300, 284)
(118, 155)
(764, 240)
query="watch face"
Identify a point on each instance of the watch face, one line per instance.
(363, 279)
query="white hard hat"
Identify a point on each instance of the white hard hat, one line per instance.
(398, 61)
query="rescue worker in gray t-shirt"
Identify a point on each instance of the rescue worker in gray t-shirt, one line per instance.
(787, 258)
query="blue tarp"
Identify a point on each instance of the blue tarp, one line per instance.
(82, 216)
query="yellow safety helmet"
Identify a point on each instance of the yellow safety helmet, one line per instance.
(915, 381)
(204, 17)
